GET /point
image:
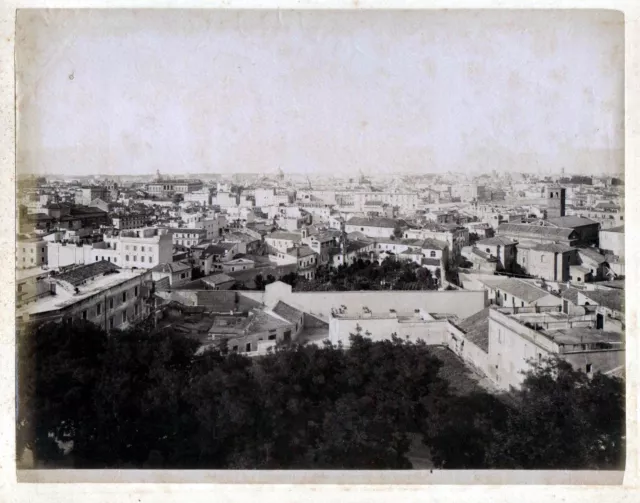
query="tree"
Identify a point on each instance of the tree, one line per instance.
(559, 419)
(397, 232)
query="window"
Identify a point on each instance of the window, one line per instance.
(43, 248)
(272, 337)
(135, 309)
(141, 258)
(135, 291)
(235, 348)
(522, 303)
(126, 258)
(500, 339)
(135, 258)
(124, 316)
(84, 314)
(142, 248)
(150, 259)
(98, 309)
(505, 296)
(488, 250)
(111, 322)
(124, 296)
(115, 259)
(589, 368)
(111, 303)
(248, 347)
(433, 254)
(135, 248)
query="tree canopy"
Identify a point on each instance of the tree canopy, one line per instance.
(147, 399)
(366, 274)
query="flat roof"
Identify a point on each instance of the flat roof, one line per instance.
(64, 298)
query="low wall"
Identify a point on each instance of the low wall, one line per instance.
(462, 303)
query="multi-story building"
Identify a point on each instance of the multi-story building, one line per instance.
(569, 230)
(321, 244)
(164, 188)
(548, 261)
(504, 249)
(454, 235)
(407, 202)
(129, 221)
(31, 252)
(225, 200)
(612, 241)
(188, 237)
(374, 227)
(202, 197)
(143, 248)
(272, 197)
(520, 336)
(282, 241)
(90, 192)
(101, 292)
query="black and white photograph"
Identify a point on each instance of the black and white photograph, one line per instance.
(320, 240)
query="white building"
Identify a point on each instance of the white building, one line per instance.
(31, 252)
(373, 227)
(101, 292)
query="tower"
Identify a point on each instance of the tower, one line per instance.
(556, 200)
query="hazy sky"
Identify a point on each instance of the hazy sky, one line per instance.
(130, 92)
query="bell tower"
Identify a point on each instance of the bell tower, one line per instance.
(556, 201)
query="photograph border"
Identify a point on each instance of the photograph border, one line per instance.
(367, 485)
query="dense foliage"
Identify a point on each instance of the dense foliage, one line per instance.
(140, 399)
(559, 419)
(366, 274)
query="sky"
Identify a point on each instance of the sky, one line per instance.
(132, 92)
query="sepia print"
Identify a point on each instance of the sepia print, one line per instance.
(313, 240)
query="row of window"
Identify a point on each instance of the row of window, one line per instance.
(24, 250)
(123, 296)
(135, 248)
(24, 259)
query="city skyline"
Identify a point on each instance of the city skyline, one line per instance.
(377, 92)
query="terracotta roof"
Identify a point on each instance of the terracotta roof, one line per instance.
(291, 236)
(570, 221)
(81, 274)
(288, 312)
(476, 329)
(538, 230)
(553, 247)
(496, 241)
(613, 299)
(388, 223)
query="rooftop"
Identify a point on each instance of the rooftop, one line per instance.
(287, 312)
(612, 298)
(517, 288)
(553, 248)
(570, 221)
(476, 329)
(81, 274)
(290, 236)
(536, 229)
(216, 279)
(614, 229)
(388, 223)
(63, 298)
(496, 241)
